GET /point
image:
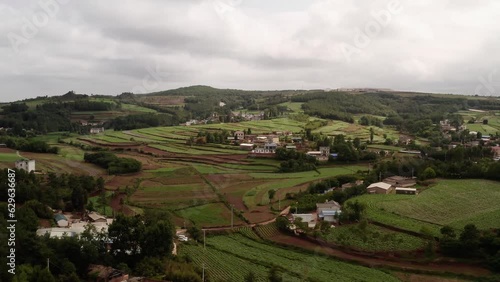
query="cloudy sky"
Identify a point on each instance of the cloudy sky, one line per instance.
(49, 47)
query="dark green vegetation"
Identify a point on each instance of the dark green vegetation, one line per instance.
(67, 192)
(36, 146)
(112, 163)
(472, 243)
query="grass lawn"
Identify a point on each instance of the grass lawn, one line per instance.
(373, 238)
(294, 106)
(9, 157)
(450, 202)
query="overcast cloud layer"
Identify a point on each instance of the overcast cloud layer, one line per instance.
(49, 47)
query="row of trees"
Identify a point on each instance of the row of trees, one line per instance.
(67, 192)
(472, 243)
(293, 161)
(23, 144)
(112, 163)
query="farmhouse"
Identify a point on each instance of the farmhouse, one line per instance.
(96, 130)
(61, 220)
(496, 151)
(404, 140)
(56, 232)
(308, 218)
(246, 146)
(351, 184)
(239, 135)
(400, 181)
(75, 228)
(379, 188)
(95, 217)
(107, 274)
(328, 211)
(408, 191)
(27, 165)
(269, 149)
(321, 155)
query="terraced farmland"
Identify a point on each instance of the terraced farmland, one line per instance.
(373, 238)
(231, 257)
(450, 202)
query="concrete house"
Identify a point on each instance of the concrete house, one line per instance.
(107, 274)
(308, 218)
(239, 135)
(27, 165)
(95, 217)
(351, 184)
(61, 220)
(379, 188)
(407, 191)
(400, 181)
(96, 130)
(328, 211)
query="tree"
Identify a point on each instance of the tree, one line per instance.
(485, 121)
(158, 239)
(195, 233)
(356, 142)
(271, 194)
(45, 276)
(372, 132)
(250, 277)
(428, 173)
(274, 275)
(282, 223)
(479, 135)
(448, 231)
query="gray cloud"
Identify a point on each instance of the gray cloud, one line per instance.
(110, 46)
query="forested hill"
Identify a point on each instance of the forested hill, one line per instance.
(412, 112)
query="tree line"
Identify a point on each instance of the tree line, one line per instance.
(114, 164)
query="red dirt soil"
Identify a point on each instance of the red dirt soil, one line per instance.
(118, 208)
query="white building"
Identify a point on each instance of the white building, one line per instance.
(28, 165)
(308, 218)
(328, 211)
(96, 130)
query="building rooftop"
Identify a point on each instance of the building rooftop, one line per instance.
(405, 189)
(382, 185)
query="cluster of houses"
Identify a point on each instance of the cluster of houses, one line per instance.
(265, 145)
(328, 211)
(331, 210)
(73, 227)
(446, 126)
(233, 117)
(394, 184)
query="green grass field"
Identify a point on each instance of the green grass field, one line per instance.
(9, 157)
(106, 209)
(213, 214)
(231, 257)
(135, 108)
(373, 239)
(450, 202)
